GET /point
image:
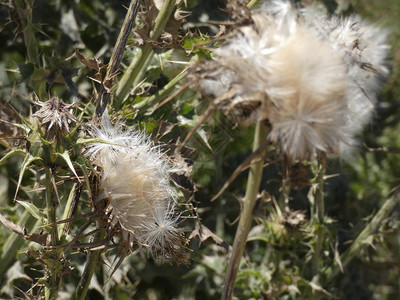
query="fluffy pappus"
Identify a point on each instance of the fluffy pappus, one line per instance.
(314, 78)
(136, 180)
(308, 89)
(364, 50)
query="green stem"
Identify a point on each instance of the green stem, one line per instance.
(135, 70)
(90, 267)
(320, 209)
(252, 3)
(116, 56)
(319, 213)
(362, 238)
(52, 284)
(68, 210)
(51, 207)
(246, 217)
(161, 95)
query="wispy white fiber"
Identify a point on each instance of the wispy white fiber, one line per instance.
(313, 77)
(136, 179)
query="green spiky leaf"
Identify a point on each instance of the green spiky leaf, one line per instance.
(27, 161)
(31, 208)
(67, 159)
(11, 153)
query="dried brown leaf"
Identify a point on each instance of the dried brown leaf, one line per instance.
(204, 234)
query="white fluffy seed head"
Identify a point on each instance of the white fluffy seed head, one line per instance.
(313, 77)
(136, 179)
(308, 86)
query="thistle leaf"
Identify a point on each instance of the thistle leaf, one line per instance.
(27, 161)
(11, 153)
(67, 159)
(32, 209)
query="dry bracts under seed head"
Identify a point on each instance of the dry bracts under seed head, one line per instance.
(312, 77)
(55, 117)
(136, 180)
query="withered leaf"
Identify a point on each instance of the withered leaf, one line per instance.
(94, 64)
(203, 233)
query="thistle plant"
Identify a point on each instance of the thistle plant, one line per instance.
(307, 76)
(62, 149)
(128, 131)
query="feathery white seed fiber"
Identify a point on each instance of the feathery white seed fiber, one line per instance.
(313, 77)
(136, 178)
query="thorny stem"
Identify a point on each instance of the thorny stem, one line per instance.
(51, 288)
(137, 66)
(319, 213)
(51, 208)
(116, 56)
(246, 217)
(362, 238)
(90, 267)
(320, 208)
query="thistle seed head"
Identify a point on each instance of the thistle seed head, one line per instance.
(136, 179)
(313, 77)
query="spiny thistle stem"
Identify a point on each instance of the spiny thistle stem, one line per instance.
(68, 211)
(52, 284)
(116, 56)
(320, 208)
(136, 68)
(88, 272)
(361, 239)
(51, 209)
(319, 212)
(246, 217)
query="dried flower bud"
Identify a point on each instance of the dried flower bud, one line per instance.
(55, 117)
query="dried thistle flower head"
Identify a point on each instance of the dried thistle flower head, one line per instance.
(136, 179)
(55, 117)
(312, 77)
